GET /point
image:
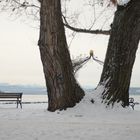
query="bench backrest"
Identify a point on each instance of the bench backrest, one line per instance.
(10, 95)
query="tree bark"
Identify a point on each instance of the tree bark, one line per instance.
(121, 52)
(63, 90)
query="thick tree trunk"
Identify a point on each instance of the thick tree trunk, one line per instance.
(63, 90)
(120, 57)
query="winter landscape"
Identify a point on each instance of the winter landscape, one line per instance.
(69, 70)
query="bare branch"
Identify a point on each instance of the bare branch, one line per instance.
(79, 63)
(79, 30)
(26, 4)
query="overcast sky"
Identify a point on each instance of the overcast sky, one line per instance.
(20, 59)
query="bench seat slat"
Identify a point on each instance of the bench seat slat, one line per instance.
(9, 96)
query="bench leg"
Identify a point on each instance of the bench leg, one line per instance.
(133, 107)
(17, 103)
(20, 104)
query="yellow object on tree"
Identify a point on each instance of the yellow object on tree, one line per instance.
(91, 53)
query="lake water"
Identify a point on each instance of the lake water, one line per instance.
(44, 98)
(34, 98)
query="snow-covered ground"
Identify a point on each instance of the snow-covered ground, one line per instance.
(86, 121)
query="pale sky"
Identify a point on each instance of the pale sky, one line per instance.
(20, 59)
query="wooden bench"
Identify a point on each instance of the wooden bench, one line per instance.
(132, 103)
(4, 97)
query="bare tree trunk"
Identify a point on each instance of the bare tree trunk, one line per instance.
(120, 57)
(63, 90)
